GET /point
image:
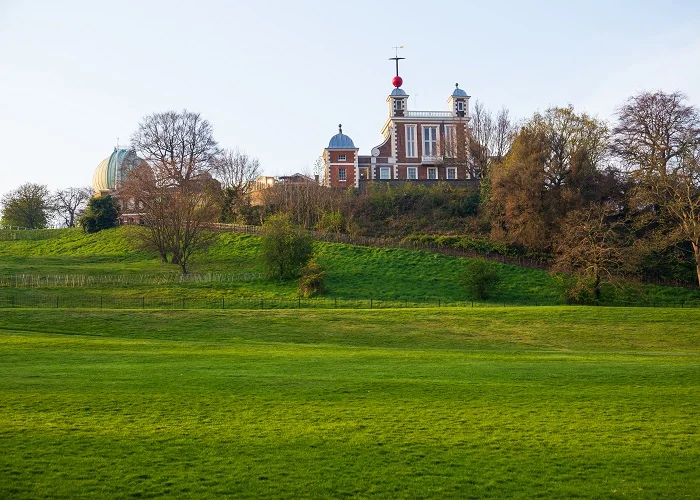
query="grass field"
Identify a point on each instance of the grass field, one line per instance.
(507, 402)
(352, 273)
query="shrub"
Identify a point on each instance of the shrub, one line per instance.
(312, 279)
(285, 249)
(101, 213)
(480, 278)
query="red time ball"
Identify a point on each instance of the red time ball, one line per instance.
(397, 81)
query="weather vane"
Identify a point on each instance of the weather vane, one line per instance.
(397, 81)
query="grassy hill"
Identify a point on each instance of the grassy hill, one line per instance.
(552, 402)
(65, 257)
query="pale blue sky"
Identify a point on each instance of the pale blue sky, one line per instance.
(275, 78)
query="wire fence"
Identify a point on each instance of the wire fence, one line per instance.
(84, 280)
(223, 302)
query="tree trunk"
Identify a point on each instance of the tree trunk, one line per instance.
(696, 251)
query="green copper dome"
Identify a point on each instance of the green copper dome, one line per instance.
(111, 171)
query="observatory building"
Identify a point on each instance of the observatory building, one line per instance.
(418, 146)
(111, 171)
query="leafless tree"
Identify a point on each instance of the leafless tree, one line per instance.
(177, 146)
(174, 192)
(655, 131)
(504, 133)
(592, 245)
(236, 169)
(69, 203)
(658, 139)
(481, 140)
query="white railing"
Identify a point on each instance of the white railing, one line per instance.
(431, 159)
(429, 114)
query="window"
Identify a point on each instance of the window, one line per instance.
(412, 173)
(411, 141)
(460, 106)
(341, 157)
(449, 140)
(385, 173)
(398, 104)
(429, 141)
(452, 173)
(432, 173)
(342, 174)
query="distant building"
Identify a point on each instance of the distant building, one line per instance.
(257, 194)
(418, 146)
(110, 174)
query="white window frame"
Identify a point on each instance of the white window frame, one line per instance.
(411, 149)
(460, 106)
(449, 140)
(433, 170)
(398, 105)
(414, 171)
(342, 158)
(453, 171)
(432, 150)
(384, 173)
(342, 174)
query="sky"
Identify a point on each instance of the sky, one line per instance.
(275, 78)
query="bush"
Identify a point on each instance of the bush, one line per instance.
(285, 249)
(480, 278)
(101, 213)
(312, 279)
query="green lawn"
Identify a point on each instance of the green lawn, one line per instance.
(352, 274)
(470, 403)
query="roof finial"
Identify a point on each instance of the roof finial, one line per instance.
(456, 85)
(340, 128)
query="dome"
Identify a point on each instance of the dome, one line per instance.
(112, 170)
(459, 92)
(341, 141)
(398, 92)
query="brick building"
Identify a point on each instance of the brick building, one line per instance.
(418, 146)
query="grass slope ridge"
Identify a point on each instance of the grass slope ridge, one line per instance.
(353, 273)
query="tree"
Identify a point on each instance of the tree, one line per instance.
(28, 206)
(657, 137)
(68, 204)
(101, 213)
(236, 169)
(480, 278)
(591, 245)
(285, 248)
(174, 189)
(556, 164)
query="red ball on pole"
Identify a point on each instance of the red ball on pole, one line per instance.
(397, 81)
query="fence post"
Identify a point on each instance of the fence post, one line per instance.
(56, 301)
(223, 302)
(370, 303)
(439, 302)
(335, 302)
(12, 301)
(100, 302)
(143, 302)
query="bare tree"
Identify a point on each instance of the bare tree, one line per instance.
(591, 245)
(482, 140)
(174, 192)
(68, 204)
(178, 146)
(236, 169)
(658, 139)
(504, 133)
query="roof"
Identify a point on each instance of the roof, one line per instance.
(459, 92)
(341, 141)
(112, 170)
(398, 92)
